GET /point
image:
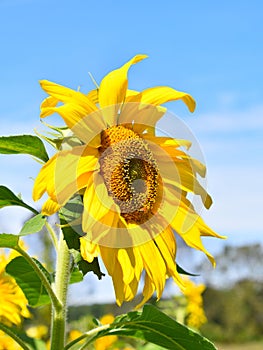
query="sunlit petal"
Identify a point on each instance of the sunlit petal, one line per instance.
(113, 89)
(162, 94)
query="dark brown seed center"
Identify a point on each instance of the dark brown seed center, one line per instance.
(130, 173)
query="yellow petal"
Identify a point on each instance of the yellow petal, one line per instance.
(190, 183)
(106, 230)
(118, 283)
(123, 266)
(142, 116)
(66, 173)
(109, 257)
(93, 96)
(167, 141)
(127, 261)
(170, 146)
(154, 265)
(97, 203)
(48, 102)
(137, 263)
(73, 170)
(67, 95)
(113, 89)
(125, 256)
(79, 111)
(177, 169)
(131, 93)
(85, 126)
(206, 230)
(191, 227)
(162, 94)
(166, 245)
(195, 164)
(168, 168)
(148, 291)
(88, 250)
(50, 207)
(193, 239)
(46, 172)
(130, 290)
(166, 240)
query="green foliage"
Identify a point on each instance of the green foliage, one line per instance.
(234, 307)
(235, 314)
(8, 240)
(151, 325)
(69, 217)
(33, 225)
(94, 267)
(75, 276)
(25, 144)
(183, 272)
(8, 198)
(149, 346)
(29, 281)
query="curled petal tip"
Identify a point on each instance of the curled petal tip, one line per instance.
(192, 104)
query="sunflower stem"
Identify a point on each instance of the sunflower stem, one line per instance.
(52, 234)
(61, 291)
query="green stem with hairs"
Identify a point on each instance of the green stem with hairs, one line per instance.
(52, 234)
(61, 291)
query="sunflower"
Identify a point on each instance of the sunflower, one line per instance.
(195, 311)
(133, 183)
(7, 343)
(13, 306)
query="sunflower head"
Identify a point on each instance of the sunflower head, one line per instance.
(195, 311)
(13, 306)
(133, 180)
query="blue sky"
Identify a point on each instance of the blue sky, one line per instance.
(210, 49)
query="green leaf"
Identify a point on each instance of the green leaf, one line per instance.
(25, 144)
(7, 198)
(29, 281)
(183, 272)
(94, 266)
(151, 325)
(69, 215)
(8, 240)
(76, 276)
(33, 225)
